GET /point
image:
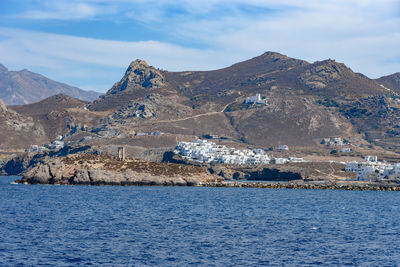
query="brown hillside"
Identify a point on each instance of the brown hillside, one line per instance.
(303, 102)
(391, 81)
(58, 115)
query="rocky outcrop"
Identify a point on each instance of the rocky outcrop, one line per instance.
(139, 75)
(304, 171)
(151, 106)
(139, 80)
(321, 74)
(89, 169)
(17, 164)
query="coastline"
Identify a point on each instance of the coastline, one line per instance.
(308, 185)
(349, 186)
(72, 166)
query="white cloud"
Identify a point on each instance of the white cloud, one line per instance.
(44, 49)
(69, 58)
(63, 11)
(363, 34)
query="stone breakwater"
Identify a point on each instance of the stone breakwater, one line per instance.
(302, 185)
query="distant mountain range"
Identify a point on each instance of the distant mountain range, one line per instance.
(305, 102)
(24, 87)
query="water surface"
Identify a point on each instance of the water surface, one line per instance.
(180, 226)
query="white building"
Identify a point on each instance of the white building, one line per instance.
(371, 158)
(333, 141)
(36, 148)
(283, 148)
(257, 99)
(56, 144)
(208, 152)
(372, 169)
(280, 160)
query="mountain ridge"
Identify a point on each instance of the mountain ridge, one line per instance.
(391, 81)
(302, 104)
(25, 87)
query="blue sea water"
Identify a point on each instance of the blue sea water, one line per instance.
(44, 225)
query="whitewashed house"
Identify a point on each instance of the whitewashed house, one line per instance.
(56, 144)
(371, 158)
(345, 150)
(257, 99)
(283, 148)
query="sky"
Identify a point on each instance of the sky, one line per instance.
(90, 43)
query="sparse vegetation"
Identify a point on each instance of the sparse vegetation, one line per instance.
(136, 165)
(328, 102)
(355, 112)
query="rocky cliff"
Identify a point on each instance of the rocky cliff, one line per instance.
(139, 80)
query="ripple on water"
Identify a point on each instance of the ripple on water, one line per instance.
(179, 226)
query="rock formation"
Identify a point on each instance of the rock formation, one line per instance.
(139, 75)
(89, 169)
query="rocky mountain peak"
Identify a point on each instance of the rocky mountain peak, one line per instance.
(139, 75)
(274, 55)
(138, 63)
(321, 73)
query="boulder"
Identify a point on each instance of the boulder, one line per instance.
(38, 175)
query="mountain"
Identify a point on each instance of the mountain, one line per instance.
(391, 81)
(41, 122)
(18, 131)
(301, 103)
(58, 115)
(24, 87)
(305, 102)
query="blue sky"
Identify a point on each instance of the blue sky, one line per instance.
(90, 43)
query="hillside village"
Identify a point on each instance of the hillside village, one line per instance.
(204, 151)
(372, 169)
(273, 102)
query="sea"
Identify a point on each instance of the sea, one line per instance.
(50, 225)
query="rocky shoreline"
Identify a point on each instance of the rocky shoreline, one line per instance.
(85, 166)
(89, 169)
